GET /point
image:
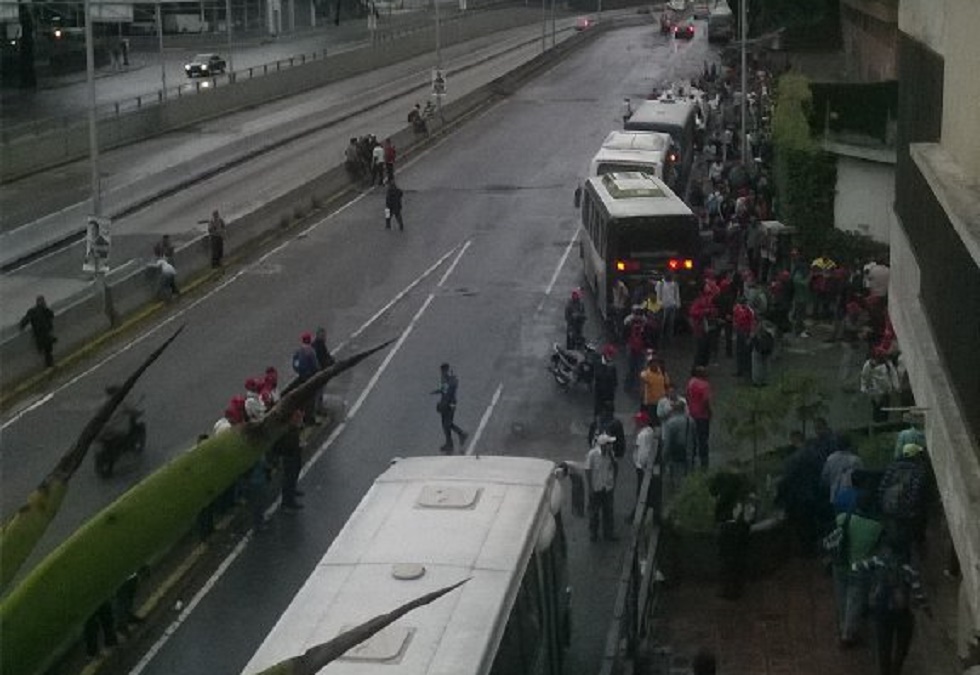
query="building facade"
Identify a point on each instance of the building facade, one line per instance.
(934, 299)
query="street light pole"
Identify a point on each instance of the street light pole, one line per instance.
(228, 26)
(438, 40)
(544, 25)
(163, 61)
(93, 129)
(93, 146)
(743, 25)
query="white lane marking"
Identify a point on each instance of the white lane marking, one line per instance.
(391, 354)
(452, 267)
(484, 420)
(401, 294)
(195, 601)
(558, 269)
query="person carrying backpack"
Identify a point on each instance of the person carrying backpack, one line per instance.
(854, 540)
(902, 496)
(895, 590)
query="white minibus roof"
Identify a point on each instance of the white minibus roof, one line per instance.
(661, 114)
(628, 195)
(425, 523)
(642, 151)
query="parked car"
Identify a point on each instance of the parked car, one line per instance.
(204, 65)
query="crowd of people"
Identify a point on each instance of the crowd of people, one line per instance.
(369, 161)
(756, 293)
(260, 394)
(872, 527)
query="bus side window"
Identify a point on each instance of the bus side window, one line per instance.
(600, 234)
(522, 646)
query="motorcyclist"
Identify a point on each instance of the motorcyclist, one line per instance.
(122, 420)
(574, 320)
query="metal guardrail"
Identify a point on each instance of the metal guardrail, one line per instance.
(636, 589)
(384, 35)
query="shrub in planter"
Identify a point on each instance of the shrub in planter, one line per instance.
(691, 549)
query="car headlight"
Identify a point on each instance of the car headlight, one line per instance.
(187, 67)
(204, 66)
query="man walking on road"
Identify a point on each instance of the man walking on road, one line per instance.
(216, 238)
(393, 205)
(41, 319)
(446, 407)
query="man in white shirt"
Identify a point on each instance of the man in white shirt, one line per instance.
(645, 459)
(600, 474)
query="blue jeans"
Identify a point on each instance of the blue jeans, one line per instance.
(851, 593)
(702, 427)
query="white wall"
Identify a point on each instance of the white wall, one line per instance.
(865, 197)
(961, 88)
(925, 20)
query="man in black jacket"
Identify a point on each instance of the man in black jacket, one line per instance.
(41, 319)
(393, 205)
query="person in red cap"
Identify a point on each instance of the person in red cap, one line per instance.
(254, 407)
(605, 381)
(269, 391)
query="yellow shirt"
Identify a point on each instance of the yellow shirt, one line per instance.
(655, 383)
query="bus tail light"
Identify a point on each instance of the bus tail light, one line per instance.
(675, 264)
(627, 266)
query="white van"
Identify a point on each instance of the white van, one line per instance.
(650, 152)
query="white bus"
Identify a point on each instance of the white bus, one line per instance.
(644, 151)
(674, 116)
(721, 23)
(426, 523)
(632, 226)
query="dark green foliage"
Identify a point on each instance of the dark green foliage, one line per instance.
(805, 176)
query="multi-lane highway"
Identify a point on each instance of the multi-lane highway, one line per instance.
(478, 279)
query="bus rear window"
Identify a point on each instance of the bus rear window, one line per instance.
(661, 235)
(625, 167)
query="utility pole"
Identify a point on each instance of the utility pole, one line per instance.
(744, 29)
(163, 60)
(228, 27)
(93, 144)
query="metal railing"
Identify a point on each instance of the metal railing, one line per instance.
(113, 109)
(636, 589)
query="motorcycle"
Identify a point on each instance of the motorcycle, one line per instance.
(572, 366)
(114, 445)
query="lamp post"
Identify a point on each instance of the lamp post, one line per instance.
(743, 26)
(163, 61)
(228, 26)
(93, 146)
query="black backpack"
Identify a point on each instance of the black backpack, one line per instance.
(765, 342)
(900, 491)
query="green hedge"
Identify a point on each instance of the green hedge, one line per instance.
(805, 176)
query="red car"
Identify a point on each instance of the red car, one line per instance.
(684, 31)
(584, 23)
